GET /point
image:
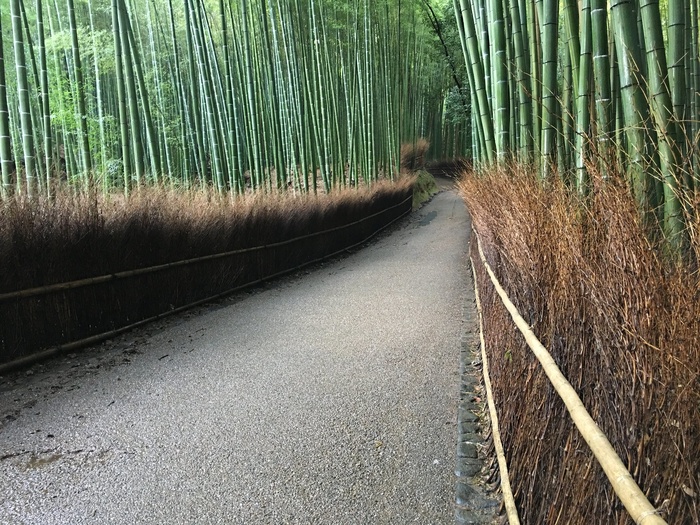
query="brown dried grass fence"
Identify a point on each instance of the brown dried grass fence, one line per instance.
(412, 155)
(81, 267)
(622, 324)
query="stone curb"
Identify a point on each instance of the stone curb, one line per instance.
(473, 505)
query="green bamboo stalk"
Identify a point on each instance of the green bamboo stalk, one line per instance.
(642, 65)
(121, 99)
(513, 120)
(220, 118)
(233, 144)
(64, 82)
(694, 87)
(481, 21)
(188, 143)
(312, 97)
(100, 112)
(500, 75)
(44, 95)
(164, 147)
(5, 139)
(550, 33)
(535, 46)
(295, 146)
(300, 94)
(633, 102)
(386, 114)
(571, 24)
(677, 69)
(583, 116)
(23, 97)
(524, 88)
(132, 97)
(252, 118)
(332, 90)
(151, 135)
(37, 121)
(662, 114)
(601, 74)
(684, 126)
(362, 75)
(209, 103)
(84, 137)
(566, 123)
(478, 76)
(13, 120)
(369, 95)
(348, 79)
(479, 141)
(274, 110)
(283, 86)
(194, 105)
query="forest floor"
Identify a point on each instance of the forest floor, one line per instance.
(330, 396)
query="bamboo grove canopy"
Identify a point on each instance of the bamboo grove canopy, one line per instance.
(579, 86)
(230, 93)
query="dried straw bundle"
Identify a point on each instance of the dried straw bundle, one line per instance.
(622, 323)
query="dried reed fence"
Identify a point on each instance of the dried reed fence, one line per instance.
(81, 265)
(623, 325)
(412, 154)
(449, 168)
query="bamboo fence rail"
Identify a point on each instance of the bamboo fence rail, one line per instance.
(508, 499)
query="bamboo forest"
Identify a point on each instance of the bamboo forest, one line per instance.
(159, 154)
(571, 86)
(310, 92)
(304, 93)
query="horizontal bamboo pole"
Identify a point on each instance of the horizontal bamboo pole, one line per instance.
(58, 287)
(508, 498)
(75, 345)
(632, 497)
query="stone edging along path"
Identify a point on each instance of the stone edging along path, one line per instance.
(475, 501)
(477, 492)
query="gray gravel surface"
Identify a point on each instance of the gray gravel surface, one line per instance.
(325, 397)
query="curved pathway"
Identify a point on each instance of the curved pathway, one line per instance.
(327, 397)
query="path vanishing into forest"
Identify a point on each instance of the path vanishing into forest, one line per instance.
(329, 396)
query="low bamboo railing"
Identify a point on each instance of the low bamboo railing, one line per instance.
(506, 490)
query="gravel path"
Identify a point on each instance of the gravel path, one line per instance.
(326, 397)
